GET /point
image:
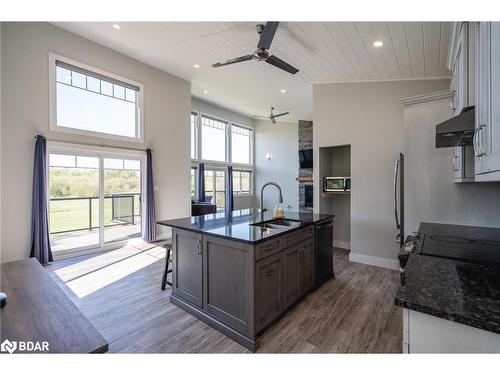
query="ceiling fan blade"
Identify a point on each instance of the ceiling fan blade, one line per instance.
(281, 114)
(277, 62)
(268, 35)
(233, 61)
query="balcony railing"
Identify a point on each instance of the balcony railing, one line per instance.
(71, 214)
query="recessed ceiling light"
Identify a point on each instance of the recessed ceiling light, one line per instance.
(205, 91)
(378, 43)
(282, 91)
(196, 66)
(116, 26)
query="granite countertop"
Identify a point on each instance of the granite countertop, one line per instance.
(236, 224)
(463, 292)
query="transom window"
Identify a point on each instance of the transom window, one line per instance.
(213, 139)
(241, 145)
(85, 100)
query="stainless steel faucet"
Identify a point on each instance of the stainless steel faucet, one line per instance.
(262, 209)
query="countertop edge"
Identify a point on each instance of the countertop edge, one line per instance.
(284, 232)
(448, 316)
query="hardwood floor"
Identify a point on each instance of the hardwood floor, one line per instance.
(120, 294)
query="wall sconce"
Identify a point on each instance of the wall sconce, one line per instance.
(269, 155)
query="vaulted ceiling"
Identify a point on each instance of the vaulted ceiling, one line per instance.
(322, 51)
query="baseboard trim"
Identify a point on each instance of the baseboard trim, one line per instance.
(342, 244)
(392, 264)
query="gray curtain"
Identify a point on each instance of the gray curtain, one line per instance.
(229, 190)
(201, 182)
(40, 241)
(150, 219)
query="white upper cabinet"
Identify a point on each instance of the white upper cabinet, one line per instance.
(487, 132)
(458, 63)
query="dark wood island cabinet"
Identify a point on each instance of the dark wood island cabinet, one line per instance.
(238, 276)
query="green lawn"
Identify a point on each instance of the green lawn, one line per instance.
(74, 214)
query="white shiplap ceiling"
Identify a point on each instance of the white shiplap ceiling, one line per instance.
(322, 51)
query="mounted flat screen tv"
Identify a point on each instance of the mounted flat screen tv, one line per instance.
(306, 158)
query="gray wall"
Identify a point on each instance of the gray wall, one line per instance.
(282, 141)
(167, 100)
(240, 202)
(430, 193)
(369, 117)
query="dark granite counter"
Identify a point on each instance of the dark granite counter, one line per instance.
(466, 293)
(237, 224)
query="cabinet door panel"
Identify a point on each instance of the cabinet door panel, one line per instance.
(187, 266)
(307, 265)
(228, 282)
(269, 289)
(292, 292)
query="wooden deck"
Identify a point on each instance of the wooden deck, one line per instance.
(120, 294)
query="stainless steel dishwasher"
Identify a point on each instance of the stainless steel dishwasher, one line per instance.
(324, 252)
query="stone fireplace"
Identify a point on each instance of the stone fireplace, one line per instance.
(305, 137)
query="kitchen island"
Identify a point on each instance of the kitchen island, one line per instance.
(241, 271)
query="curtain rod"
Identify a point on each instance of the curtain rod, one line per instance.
(94, 145)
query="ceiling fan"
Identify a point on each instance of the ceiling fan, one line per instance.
(262, 52)
(272, 116)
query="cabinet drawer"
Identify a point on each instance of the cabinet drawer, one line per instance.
(298, 236)
(268, 248)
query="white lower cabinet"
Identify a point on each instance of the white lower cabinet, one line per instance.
(424, 333)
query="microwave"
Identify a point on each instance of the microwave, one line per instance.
(336, 184)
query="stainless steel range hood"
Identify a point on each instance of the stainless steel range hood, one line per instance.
(457, 131)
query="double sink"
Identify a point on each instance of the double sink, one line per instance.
(278, 223)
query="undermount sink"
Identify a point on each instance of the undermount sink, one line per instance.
(278, 223)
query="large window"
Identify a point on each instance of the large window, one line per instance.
(241, 145)
(218, 144)
(194, 183)
(215, 181)
(85, 100)
(213, 139)
(194, 135)
(241, 182)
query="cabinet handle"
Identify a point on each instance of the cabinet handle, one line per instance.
(269, 273)
(198, 247)
(455, 157)
(269, 248)
(480, 140)
(452, 100)
(475, 144)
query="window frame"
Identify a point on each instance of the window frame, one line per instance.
(222, 165)
(53, 127)
(195, 169)
(250, 183)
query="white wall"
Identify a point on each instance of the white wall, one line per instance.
(369, 117)
(202, 106)
(282, 141)
(208, 108)
(167, 100)
(430, 193)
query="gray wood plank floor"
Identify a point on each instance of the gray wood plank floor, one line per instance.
(119, 292)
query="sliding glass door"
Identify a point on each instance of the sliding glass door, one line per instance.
(95, 199)
(122, 199)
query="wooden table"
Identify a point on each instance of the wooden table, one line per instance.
(38, 310)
